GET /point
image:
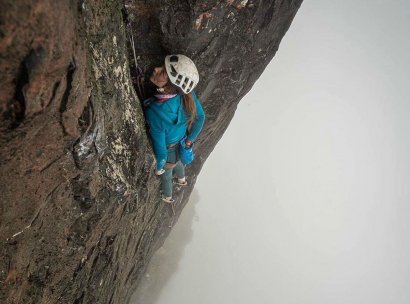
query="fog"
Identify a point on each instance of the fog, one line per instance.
(306, 197)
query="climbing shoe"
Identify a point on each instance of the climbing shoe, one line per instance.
(168, 199)
(181, 181)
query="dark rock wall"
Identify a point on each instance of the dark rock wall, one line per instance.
(80, 213)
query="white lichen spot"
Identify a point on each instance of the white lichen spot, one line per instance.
(125, 71)
(97, 71)
(95, 53)
(118, 71)
(84, 145)
(118, 146)
(128, 115)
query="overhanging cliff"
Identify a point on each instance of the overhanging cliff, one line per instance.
(80, 214)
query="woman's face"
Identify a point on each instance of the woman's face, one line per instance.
(159, 77)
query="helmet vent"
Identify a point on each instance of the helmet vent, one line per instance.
(178, 81)
(173, 72)
(185, 83)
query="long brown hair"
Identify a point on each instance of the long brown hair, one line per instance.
(190, 107)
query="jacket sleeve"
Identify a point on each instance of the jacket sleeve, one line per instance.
(199, 121)
(158, 143)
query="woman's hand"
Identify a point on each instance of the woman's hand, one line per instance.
(188, 143)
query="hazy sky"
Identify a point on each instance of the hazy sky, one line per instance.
(306, 198)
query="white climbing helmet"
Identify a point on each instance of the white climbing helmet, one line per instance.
(182, 72)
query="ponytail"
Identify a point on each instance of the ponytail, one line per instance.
(190, 108)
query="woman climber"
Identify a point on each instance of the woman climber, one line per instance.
(174, 115)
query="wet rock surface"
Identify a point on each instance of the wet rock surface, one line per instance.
(80, 214)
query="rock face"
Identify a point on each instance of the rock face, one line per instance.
(80, 214)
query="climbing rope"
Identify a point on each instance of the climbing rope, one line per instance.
(133, 46)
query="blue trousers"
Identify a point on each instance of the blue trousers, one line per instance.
(178, 169)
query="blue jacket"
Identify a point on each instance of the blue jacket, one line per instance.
(168, 123)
